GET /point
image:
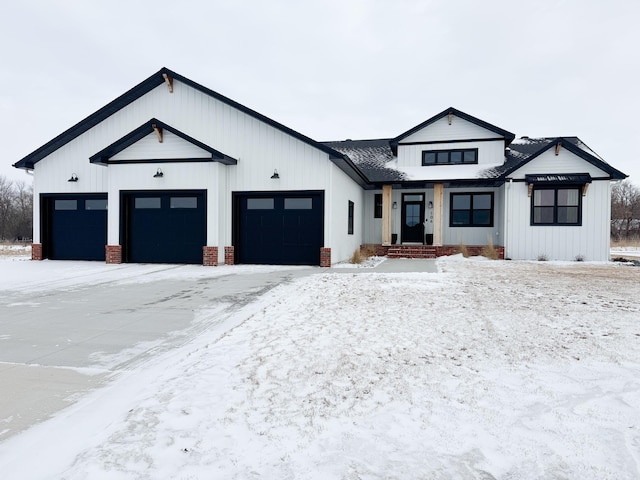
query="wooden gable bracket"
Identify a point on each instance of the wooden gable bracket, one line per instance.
(530, 189)
(450, 117)
(558, 145)
(158, 131)
(585, 187)
(169, 81)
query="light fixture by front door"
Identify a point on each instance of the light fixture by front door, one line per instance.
(159, 173)
(275, 175)
(74, 178)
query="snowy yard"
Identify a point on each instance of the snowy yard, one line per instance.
(486, 370)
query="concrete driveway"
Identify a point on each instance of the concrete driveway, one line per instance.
(75, 325)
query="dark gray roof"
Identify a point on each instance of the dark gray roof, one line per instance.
(374, 158)
(525, 149)
(371, 157)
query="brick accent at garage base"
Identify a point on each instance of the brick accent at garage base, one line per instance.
(36, 251)
(325, 257)
(210, 256)
(113, 254)
(229, 255)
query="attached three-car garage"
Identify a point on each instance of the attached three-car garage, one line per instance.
(280, 228)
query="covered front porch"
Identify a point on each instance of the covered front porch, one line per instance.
(431, 220)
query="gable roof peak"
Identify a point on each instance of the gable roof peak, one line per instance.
(508, 136)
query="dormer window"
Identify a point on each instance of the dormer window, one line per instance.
(450, 157)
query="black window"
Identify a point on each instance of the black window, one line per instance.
(471, 210)
(377, 211)
(350, 226)
(556, 206)
(450, 157)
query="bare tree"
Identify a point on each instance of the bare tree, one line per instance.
(16, 207)
(22, 218)
(6, 206)
(625, 210)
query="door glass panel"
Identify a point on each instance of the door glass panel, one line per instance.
(443, 157)
(456, 157)
(147, 202)
(413, 198)
(260, 204)
(95, 204)
(412, 215)
(66, 204)
(298, 204)
(183, 202)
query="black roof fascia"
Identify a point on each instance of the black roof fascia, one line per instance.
(465, 116)
(614, 173)
(103, 156)
(342, 161)
(453, 183)
(91, 121)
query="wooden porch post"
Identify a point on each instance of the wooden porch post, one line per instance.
(386, 214)
(438, 213)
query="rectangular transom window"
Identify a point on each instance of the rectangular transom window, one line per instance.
(351, 213)
(260, 204)
(377, 209)
(471, 210)
(556, 206)
(183, 202)
(449, 157)
(66, 204)
(298, 203)
(147, 202)
(95, 204)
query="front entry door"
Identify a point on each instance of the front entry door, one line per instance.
(412, 218)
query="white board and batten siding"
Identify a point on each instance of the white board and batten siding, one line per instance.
(565, 162)
(171, 147)
(259, 148)
(589, 241)
(428, 138)
(441, 131)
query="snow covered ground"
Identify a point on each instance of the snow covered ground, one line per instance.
(486, 370)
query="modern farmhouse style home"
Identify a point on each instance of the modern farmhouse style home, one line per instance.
(173, 172)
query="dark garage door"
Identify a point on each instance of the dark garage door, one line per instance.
(283, 228)
(164, 227)
(75, 227)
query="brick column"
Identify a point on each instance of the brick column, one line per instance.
(113, 254)
(36, 251)
(210, 256)
(325, 257)
(229, 256)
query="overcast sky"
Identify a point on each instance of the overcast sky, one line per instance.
(334, 69)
